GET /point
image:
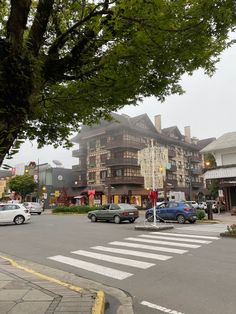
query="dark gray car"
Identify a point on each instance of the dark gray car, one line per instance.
(114, 212)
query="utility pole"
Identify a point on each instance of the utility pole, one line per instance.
(153, 183)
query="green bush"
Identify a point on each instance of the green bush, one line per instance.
(231, 229)
(201, 214)
(82, 209)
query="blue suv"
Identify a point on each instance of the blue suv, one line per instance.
(177, 211)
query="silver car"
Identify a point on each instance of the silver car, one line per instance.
(34, 207)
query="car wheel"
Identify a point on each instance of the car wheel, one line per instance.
(93, 218)
(150, 218)
(181, 219)
(132, 220)
(39, 213)
(117, 219)
(19, 220)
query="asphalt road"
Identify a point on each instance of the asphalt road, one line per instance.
(199, 280)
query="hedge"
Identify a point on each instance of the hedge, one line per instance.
(73, 209)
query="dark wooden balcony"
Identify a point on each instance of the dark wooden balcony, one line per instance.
(122, 162)
(172, 182)
(125, 180)
(172, 168)
(195, 159)
(78, 153)
(196, 172)
(121, 143)
(171, 153)
(196, 184)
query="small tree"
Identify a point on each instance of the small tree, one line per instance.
(22, 185)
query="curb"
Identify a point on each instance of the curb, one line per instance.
(99, 305)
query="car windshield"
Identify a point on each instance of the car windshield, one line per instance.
(126, 206)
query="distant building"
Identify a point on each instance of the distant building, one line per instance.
(224, 151)
(108, 159)
(5, 175)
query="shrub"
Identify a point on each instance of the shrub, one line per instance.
(201, 214)
(82, 209)
(231, 229)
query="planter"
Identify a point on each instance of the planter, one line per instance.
(228, 235)
(233, 211)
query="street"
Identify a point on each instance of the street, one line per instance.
(188, 270)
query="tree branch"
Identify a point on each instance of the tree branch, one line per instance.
(17, 21)
(38, 29)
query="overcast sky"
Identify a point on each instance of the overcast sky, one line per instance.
(208, 107)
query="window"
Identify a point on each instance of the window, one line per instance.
(103, 158)
(92, 175)
(92, 144)
(103, 174)
(118, 173)
(103, 141)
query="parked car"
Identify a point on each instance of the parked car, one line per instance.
(175, 211)
(34, 207)
(202, 205)
(16, 213)
(114, 212)
(193, 204)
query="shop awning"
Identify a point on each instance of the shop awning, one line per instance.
(220, 173)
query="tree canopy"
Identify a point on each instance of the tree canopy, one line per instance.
(22, 185)
(67, 62)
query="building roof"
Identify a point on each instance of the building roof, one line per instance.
(203, 143)
(227, 140)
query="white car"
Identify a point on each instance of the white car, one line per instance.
(193, 204)
(34, 207)
(16, 213)
(203, 205)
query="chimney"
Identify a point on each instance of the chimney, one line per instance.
(187, 134)
(157, 120)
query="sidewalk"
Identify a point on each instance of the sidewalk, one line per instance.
(24, 291)
(225, 218)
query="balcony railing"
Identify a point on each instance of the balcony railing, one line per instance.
(121, 143)
(122, 161)
(125, 180)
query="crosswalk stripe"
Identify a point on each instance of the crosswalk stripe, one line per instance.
(133, 253)
(114, 259)
(186, 235)
(149, 247)
(193, 246)
(174, 239)
(105, 271)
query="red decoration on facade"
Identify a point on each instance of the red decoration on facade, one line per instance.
(153, 196)
(91, 193)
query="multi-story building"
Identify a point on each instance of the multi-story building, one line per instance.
(108, 159)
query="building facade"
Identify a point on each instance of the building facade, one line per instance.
(108, 159)
(224, 151)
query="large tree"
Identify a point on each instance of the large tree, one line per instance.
(67, 62)
(22, 185)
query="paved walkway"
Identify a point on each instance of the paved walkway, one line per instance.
(24, 291)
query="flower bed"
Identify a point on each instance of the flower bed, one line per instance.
(231, 232)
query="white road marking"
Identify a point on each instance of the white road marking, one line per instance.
(174, 239)
(193, 246)
(186, 235)
(149, 247)
(160, 308)
(133, 253)
(206, 228)
(114, 259)
(101, 270)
